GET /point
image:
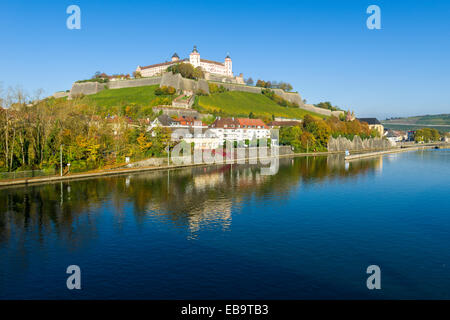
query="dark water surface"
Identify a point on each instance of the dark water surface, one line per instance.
(310, 231)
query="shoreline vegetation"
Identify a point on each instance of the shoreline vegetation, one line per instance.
(121, 170)
(102, 131)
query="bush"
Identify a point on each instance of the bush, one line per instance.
(201, 92)
(214, 88)
(165, 90)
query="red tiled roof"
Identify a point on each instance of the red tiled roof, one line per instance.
(239, 123)
(163, 64)
(188, 121)
(210, 61)
(246, 122)
(222, 122)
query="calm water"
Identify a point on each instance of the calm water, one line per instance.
(228, 232)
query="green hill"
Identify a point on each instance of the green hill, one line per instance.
(231, 103)
(437, 120)
(237, 103)
(121, 97)
(440, 122)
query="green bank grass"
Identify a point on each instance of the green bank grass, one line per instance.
(141, 96)
(236, 103)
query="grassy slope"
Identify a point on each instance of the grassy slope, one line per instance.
(236, 103)
(438, 119)
(232, 103)
(119, 97)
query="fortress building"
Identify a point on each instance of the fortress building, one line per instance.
(213, 70)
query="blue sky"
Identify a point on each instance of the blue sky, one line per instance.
(322, 47)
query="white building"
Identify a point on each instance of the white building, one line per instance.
(213, 67)
(240, 129)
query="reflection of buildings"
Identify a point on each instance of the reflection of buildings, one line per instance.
(202, 182)
(213, 212)
(190, 198)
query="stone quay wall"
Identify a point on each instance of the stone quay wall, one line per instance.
(357, 144)
(247, 152)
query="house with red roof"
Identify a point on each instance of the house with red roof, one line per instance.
(240, 129)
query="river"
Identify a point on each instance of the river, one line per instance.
(227, 232)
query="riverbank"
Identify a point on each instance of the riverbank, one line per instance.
(100, 173)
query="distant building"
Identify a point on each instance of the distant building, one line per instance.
(164, 121)
(394, 136)
(373, 124)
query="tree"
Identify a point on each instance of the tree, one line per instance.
(187, 70)
(249, 81)
(285, 86)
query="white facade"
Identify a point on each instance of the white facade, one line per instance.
(240, 134)
(214, 67)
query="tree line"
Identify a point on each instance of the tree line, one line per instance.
(32, 136)
(313, 134)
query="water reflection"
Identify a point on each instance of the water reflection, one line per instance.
(190, 199)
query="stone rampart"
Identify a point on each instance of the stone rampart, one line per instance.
(119, 84)
(86, 88)
(325, 112)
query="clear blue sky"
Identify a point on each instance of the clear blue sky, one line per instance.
(322, 47)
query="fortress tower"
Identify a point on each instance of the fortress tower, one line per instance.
(228, 66)
(175, 57)
(194, 57)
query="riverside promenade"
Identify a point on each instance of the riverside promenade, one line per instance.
(395, 150)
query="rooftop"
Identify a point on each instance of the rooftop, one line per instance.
(371, 121)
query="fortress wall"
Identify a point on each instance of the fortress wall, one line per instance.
(60, 94)
(85, 88)
(203, 85)
(134, 83)
(188, 84)
(88, 88)
(292, 97)
(180, 83)
(342, 144)
(237, 87)
(171, 80)
(179, 112)
(325, 112)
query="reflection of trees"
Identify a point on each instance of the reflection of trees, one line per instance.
(188, 198)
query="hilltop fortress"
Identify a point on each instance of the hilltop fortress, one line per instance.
(213, 70)
(216, 72)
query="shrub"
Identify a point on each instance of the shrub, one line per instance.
(214, 88)
(165, 90)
